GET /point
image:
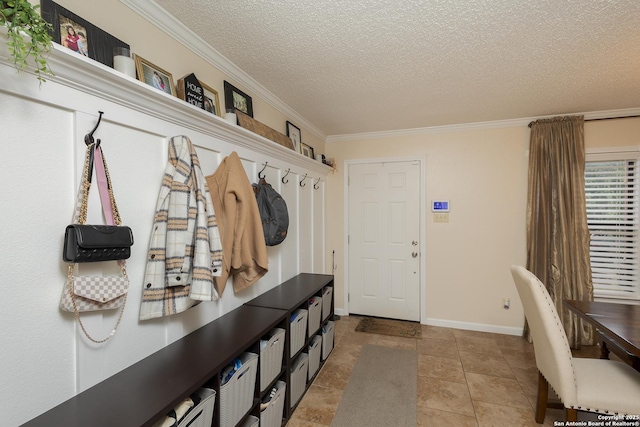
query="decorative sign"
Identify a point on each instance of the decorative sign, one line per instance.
(190, 90)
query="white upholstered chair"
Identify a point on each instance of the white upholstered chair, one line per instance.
(594, 385)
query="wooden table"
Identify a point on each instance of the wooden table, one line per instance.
(617, 324)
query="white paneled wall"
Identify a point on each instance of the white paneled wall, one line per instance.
(45, 357)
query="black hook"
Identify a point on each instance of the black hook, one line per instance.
(285, 175)
(264, 176)
(88, 138)
(315, 186)
(301, 182)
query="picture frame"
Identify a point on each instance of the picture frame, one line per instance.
(211, 95)
(307, 151)
(66, 28)
(237, 99)
(190, 89)
(154, 76)
(294, 133)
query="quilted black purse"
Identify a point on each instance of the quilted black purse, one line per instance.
(91, 243)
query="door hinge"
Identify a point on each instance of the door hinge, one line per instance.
(348, 297)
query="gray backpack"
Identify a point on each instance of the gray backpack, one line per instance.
(273, 213)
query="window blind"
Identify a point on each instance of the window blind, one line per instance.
(611, 188)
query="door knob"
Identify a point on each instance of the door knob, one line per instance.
(414, 254)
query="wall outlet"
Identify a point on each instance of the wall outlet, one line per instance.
(506, 303)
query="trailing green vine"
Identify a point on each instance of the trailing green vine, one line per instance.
(21, 16)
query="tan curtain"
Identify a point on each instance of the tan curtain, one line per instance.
(557, 234)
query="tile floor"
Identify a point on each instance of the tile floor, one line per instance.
(465, 378)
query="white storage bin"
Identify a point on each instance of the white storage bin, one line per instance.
(251, 421)
(315, 312)
(236, 395)
(298, 330)
(202, 414)
(272, 415)
(299, 377)
(327, 297)
(327, 339)
(314, 355)
(271, 352)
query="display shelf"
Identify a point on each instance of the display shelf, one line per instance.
(144, 392)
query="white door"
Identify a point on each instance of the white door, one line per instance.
(383, 239)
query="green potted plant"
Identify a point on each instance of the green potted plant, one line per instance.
(20, 16)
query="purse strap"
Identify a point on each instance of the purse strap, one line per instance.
(94, 156)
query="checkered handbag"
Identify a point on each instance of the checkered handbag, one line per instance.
(91, 293)
(94, 293)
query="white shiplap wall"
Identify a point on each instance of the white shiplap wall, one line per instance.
(45, 358)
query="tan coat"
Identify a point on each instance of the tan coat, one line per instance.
(244, 252)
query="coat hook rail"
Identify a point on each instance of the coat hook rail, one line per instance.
(316, 186)
(263, 176)
(285, 175)
(302, 182)
(88, 138)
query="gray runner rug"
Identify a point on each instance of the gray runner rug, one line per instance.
(382, 389)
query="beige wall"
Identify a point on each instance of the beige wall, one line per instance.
(160, 49)
(483, 173)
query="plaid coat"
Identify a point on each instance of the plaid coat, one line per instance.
(185, 251)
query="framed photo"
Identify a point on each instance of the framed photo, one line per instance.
(154, 76)
(306, 150)
(293, 132)
(235, 98)
(211, 100)
(78, 35)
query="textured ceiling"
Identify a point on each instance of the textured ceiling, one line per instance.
(356, 66)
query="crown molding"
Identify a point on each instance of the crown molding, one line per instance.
(167, 23)
(496, 124)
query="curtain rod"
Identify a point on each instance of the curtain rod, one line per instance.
(603, 118)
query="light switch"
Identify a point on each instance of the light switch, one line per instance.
(441, 217)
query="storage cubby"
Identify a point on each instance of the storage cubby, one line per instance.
(327, 302)
(251, 421)
(200, 415)
(327, 339)
(315, 348)
(299, 370)
(271, 354)
(273, 413)
(298, 330)
(297, 294)
(194, 363)
(237, 393)
(315, 313)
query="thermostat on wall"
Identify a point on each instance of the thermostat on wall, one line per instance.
(440, 206)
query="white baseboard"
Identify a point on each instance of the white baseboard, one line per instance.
(480, 327)
(496, 329)
(340, 312)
